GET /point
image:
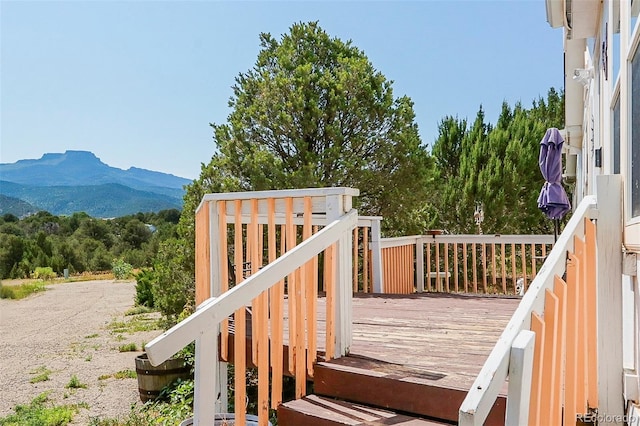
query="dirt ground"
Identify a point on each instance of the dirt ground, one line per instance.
(65, 330)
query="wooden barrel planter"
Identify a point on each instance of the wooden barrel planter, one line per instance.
(151, 380)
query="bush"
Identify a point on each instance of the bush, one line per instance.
(145, 281)
(121, 269)
(44, 274)
(175, 287)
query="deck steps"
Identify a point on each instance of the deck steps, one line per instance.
(322, 411)
(412, 391)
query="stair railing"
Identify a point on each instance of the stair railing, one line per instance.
(561, 352)
(293, 272)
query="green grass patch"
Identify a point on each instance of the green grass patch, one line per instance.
(41, 374)
(21, 291)
(74, 383)
(137, 310)
(91, 336)
(39, 413)
(129, 347)
(136, 324)
(125, 374)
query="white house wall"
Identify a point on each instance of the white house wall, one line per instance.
(597, 132)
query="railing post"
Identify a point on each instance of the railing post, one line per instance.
(520, 370)
(419, 265)
(609, 295)
(208, 369)
(205, 391)
(376, 257)
(337, 205)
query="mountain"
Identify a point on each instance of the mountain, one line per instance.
(78, 181)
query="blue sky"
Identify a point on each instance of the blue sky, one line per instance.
(138, 82)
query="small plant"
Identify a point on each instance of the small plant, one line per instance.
(88, 358)
(75, 383)
(136, 324)
(44, 273)
(38, 412)
(104, 376)
(41, 375)
(125, 374)
(180, 402)
(137, 310)
(91, 336)
(121, 269)
(129, 347)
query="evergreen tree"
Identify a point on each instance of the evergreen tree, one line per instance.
(314, 112)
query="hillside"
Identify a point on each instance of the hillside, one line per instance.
(107, 200)
(78, 181)
(15, 206)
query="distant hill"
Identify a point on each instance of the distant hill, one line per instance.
(78, 181)
(16, 206)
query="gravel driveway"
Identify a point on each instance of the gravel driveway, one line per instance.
(65, 330)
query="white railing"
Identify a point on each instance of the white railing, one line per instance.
(461, 263)
(202, 326)
(512, 357)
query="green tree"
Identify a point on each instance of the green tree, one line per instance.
(11, 251)
(496, 166)
(314, 112)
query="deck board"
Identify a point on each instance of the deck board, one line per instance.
(446, 334)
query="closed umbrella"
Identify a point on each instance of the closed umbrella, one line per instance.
(553, 200)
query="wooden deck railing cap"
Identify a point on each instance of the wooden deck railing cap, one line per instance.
(284, 193)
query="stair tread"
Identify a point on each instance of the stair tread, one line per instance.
(401, 388)
(346, 413)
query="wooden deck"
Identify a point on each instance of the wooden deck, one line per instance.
(413, 359)
(447, 335)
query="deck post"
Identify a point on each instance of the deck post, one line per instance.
(207, 365)
(337, 205)
(419, 265)
(205, 378)
(520, 370)
(376, 257)
(609, 296)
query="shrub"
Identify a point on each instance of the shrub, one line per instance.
(121, 269)
(44, 273)
(145, 280)
(175, 286)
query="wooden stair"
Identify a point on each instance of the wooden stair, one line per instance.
(356, 390)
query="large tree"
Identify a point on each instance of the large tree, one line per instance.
(314, 112)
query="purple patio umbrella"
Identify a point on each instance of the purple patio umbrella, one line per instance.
(553, 199)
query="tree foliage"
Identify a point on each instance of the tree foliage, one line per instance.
(314, 112)
(496, 166)
(79, 242)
